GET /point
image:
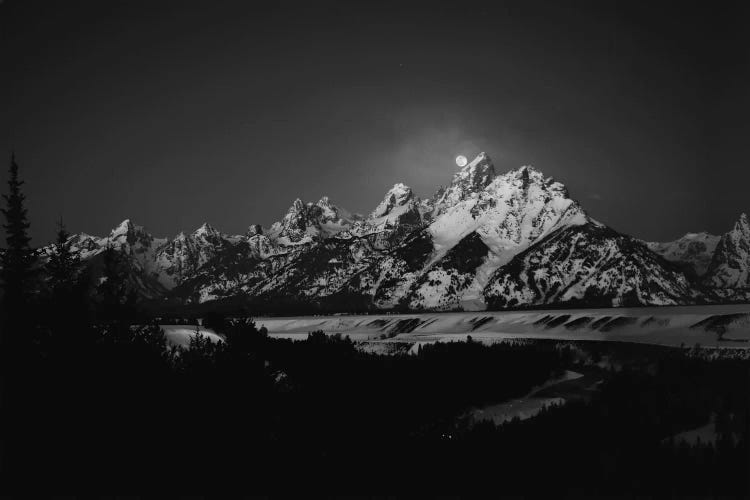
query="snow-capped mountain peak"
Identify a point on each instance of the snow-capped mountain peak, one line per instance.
(206, 230)
(522, 178)
(297, 206)
(740, 233)
(127, 233)
(122, 229)
(306, 222)
(491, 217)
(467, 182)
(398, 196)
(330, 211)
(517, 206)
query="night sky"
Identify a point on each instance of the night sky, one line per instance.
(191, 111)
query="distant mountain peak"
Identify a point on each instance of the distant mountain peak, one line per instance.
(523, 178)
(400, 187)
(254, 229)
(297, 206)
(399, 195)
(468, 181)
(692, 249)
(306, 222)
(730, 266)
(329, 211)
(123, 228)
(741, 230)
(205, 230)
(127, 232)
(480, 171)
(742, 224)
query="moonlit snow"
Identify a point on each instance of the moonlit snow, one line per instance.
(671, 326)
(525, 407)
(180, 335)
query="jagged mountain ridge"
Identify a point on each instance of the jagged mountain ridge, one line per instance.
(590, 265)
(730, 264)
(693, 249)
(307, 222)
(469, 246)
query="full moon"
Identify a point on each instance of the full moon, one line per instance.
(461, 161)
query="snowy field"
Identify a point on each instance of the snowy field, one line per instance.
(672, 326)
(180, 334)
(529, 405)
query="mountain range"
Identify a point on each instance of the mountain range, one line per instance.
(487, 240)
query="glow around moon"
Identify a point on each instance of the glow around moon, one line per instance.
(461, 161)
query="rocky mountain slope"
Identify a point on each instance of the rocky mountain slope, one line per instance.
(694, 250)
(486, 240)
(730, 265)
(589, 265)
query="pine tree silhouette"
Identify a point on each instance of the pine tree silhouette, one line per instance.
(17, 260)
(63, 265)
(112, 290)
(19, 337)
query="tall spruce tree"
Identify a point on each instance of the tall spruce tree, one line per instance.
(63, 265)
(18, 257)
(112, 290)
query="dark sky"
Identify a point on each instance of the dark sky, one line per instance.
(173, 113)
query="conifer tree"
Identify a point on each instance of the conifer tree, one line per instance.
(18, 257)
(63, 265)
(16, 339)
(112, 290)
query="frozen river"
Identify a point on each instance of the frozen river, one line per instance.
(709, 326)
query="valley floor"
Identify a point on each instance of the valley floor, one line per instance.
(720, 326)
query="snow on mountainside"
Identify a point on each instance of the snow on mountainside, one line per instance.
(589, 264)
(401, 255)
(693, 249)
(486, 240)
(310, 254)
(185, 254)
(307, 222)
(397, 197)
(446, 264)
(509, 214)
(399, 208)
(471, 179)
(139, 250)
(398, 214)
(443, 285)
(730, 266)
(155, 265)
